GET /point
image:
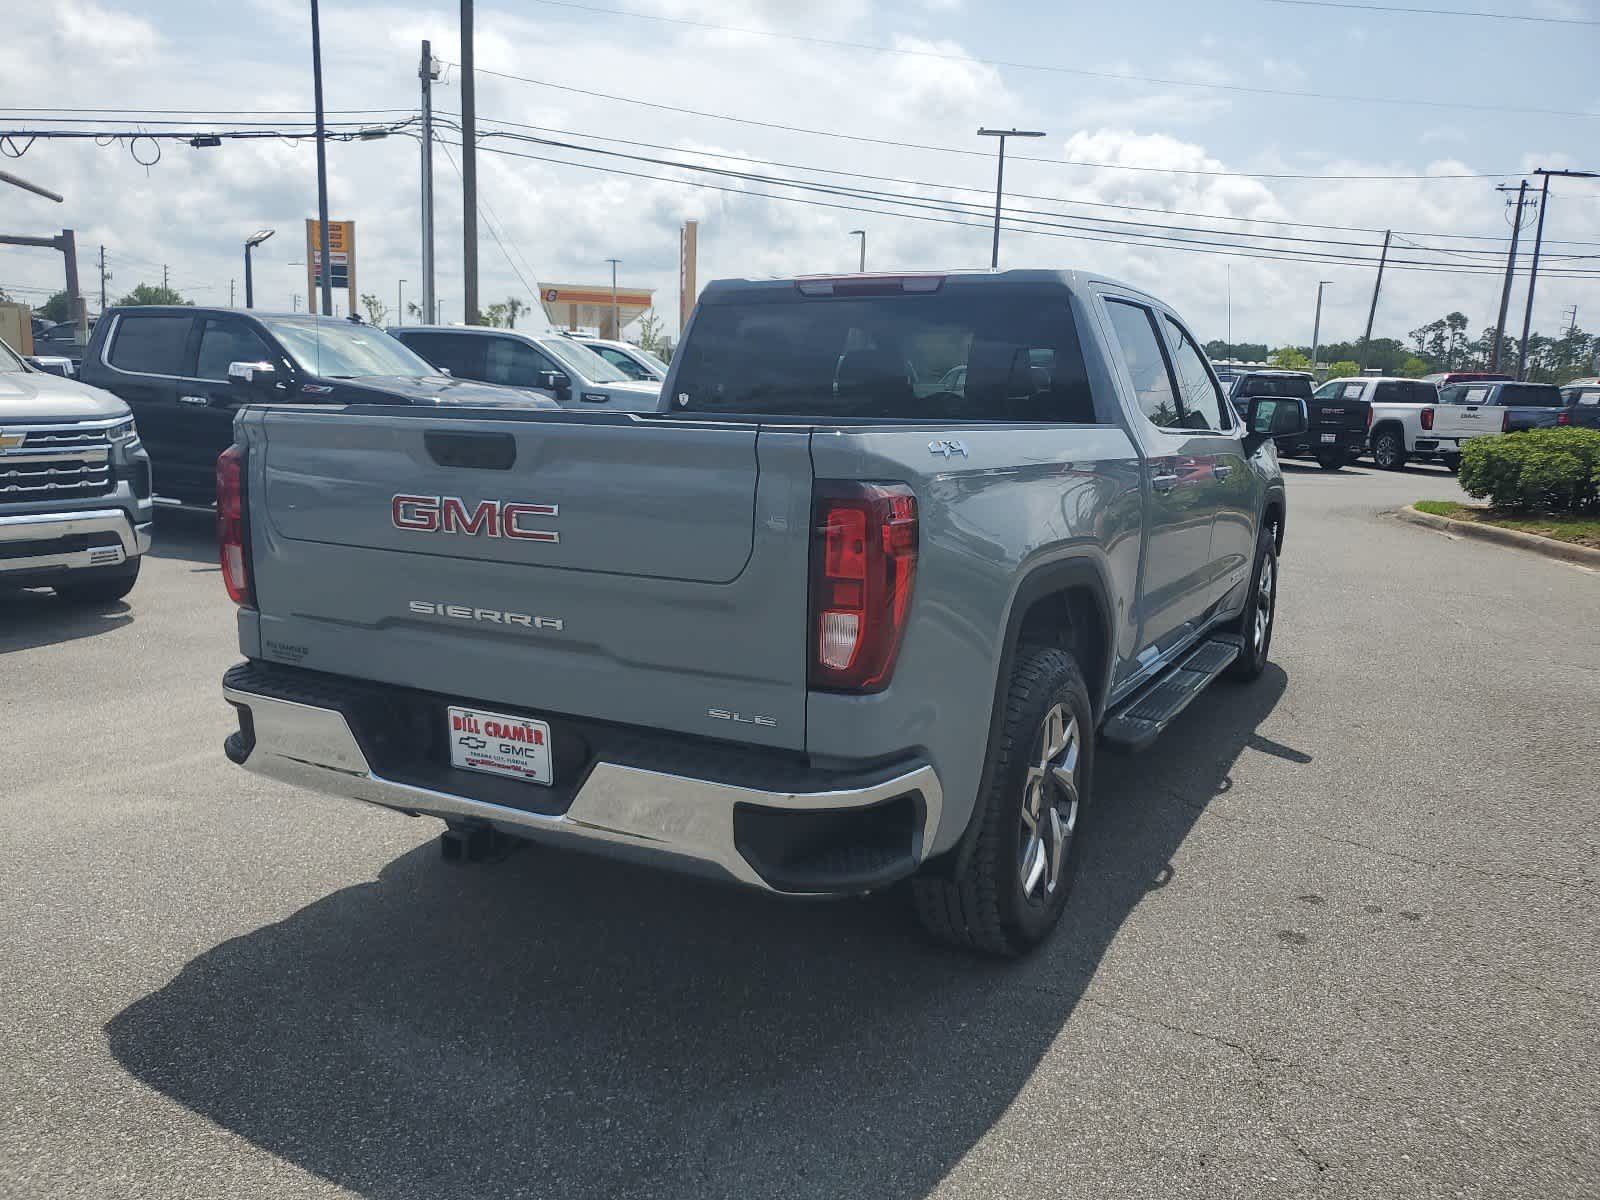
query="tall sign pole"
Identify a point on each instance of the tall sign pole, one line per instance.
(322, 165)
(469, 170)
(426, 72)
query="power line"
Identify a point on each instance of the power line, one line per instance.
(1436, 12)
(986, 191)
(1038, 228)
(489, 224)
(1119, 76)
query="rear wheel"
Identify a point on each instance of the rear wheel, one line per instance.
(1389, 450)
(100, 586)
(1019, 873)
(1331, 462)
(1451, 461)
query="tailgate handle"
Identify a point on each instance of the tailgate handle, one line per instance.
(480, 451)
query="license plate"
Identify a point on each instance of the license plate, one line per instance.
(1330, 437)
(497, 744)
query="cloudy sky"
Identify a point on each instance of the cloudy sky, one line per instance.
(1221, 137)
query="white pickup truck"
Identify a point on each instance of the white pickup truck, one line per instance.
(1408, 421)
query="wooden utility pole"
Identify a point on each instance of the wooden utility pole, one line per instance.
(1372, 312)
(1511, 266)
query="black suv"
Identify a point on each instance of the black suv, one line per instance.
(1337, 432)
(185, 371)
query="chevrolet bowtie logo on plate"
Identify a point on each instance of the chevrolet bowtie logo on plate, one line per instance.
(11, 441)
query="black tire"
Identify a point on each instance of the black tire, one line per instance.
(100, 587)
(1252, 660)
(1027, 815)
(1452, 462)
(1389, 449)
(1331, 462)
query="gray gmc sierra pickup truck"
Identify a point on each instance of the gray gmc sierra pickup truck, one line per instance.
(818, 625)
(75, 508)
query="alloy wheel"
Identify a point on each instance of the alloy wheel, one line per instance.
(1263, 605)
(1049, 805)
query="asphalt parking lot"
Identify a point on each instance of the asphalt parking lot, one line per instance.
(1335, 936)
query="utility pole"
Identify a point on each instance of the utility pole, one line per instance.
(616, 325)
(1316, 326)
(1538, 244)
(1511, 265)
(79, 310)
(1000, 178)
(1229, 353)
(104, 276)
(322, 165)
(427, 72)
(469, 170)
(163, 277)
(862, 234)
(1377, 285)
(230, 293)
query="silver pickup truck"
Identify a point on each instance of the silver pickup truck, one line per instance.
(821, 624)
(75, 507)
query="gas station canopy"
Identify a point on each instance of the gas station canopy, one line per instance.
(575, 306)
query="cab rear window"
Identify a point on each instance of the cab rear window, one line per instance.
(976, 354)
(1530, 395)
(1277, 385)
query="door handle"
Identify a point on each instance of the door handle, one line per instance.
(1222, 470)
(196, 401)
(1164, 483)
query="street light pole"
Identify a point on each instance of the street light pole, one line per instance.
(322, 163)
(250, 243)
(862, 234)
(1316, 326)
(1538, 244)
(1000, 179)
(427, 74)
(616, 326)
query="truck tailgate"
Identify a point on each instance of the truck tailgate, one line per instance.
(645, 572)
(1465, 420)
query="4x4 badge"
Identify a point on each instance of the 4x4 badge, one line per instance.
(947, 447)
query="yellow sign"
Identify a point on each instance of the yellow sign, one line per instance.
(342, 256)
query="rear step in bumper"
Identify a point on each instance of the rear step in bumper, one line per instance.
(676, 821)
(1143, 719)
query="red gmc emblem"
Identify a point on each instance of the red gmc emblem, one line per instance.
(487, 518)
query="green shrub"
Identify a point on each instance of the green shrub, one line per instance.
(1541, 470)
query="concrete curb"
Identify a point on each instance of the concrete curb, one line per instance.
(1583, 556)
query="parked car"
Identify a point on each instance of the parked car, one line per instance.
(185, 372)
(1407, 420)
(549, 364)
(1338, 427)
(808, 640)
(1582, 398)
(1522, 405)
(61, 339)
(75, 510)
(633, 361)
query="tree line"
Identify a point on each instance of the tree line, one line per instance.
(1442, 345)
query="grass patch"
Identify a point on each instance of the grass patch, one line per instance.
(1585, 531)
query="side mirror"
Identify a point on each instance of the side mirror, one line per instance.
(252, 375)
(554, 381)
(1274, 417)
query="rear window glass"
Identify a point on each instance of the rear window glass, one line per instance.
(462, 354)
(1586, 398)
(1277, 385)
(979, 354)
(1530, 395)
(151, 344)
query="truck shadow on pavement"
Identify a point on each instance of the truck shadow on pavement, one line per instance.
(186, 537)
(35, 618)
(559, 1025)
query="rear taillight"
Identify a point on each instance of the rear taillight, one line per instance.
(1427, 418)
(1369, 416)
(1505, 421)
(1563, 417)
(233, 540)
(863, 568)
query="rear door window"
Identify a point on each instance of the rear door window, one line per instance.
(513, 363)
(152, 344)
(1135, 329)
(959, 353)
(1353, 391)
(622, 362)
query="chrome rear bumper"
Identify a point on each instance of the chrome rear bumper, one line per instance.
(132, 540)
(629, 812)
